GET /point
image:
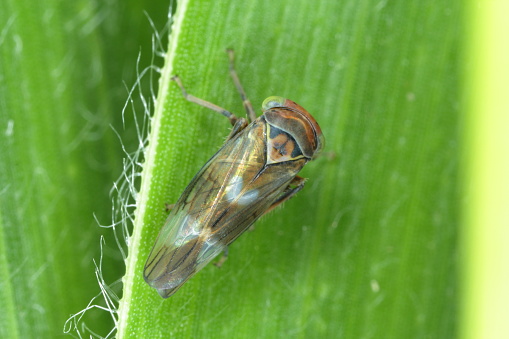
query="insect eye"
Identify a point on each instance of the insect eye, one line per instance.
(320, 145)
(273, 102)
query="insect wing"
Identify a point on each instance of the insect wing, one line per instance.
(229, 193)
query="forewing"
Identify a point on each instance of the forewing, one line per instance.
(232, 190)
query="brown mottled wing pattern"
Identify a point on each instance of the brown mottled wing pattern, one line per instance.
(229, 193)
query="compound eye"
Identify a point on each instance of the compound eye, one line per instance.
(320, 145)
(273, 101)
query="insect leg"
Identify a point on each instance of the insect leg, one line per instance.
(239, 126)
(251, 115)
(221, 261)
(289, 192)
(233, 119)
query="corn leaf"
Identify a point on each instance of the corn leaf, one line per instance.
(369, 247)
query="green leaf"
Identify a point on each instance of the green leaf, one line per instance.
(368, 248)
(485, 273)
(58, 154)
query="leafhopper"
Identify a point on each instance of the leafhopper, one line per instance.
(253, 172)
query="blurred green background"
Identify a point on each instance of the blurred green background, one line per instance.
(369, 249)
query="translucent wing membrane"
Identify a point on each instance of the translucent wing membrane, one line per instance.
(229, 193)
(255, 171)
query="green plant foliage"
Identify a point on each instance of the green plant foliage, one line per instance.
(368, 248)
(485, 233)
(58, 153)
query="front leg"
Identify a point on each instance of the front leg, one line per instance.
(251, 115)
(233, 119)
(239, 126)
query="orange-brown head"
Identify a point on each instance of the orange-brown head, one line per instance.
(292, 133)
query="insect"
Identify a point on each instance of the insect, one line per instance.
(253, 172)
